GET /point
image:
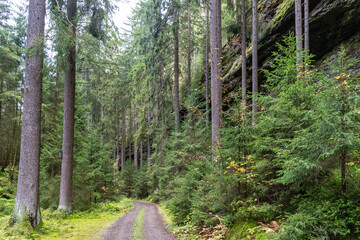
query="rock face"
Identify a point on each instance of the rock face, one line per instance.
(332, 23)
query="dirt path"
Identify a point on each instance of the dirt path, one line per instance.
(154, 228)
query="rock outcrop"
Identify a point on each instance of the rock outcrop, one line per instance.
(332, 23)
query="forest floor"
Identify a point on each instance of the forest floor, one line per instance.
(142, 222)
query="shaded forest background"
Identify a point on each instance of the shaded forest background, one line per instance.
(277, 177)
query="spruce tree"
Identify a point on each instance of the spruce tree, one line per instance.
(27, 205)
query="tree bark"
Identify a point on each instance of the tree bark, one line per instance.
(148, 141)
(65, 202)
(189, 51)
(306, 30)
(243, 58)
(141, 154)
(216, 74)
(176, 68)
(298, 33)
(27, 206)
(123, 140)
(254, 62)
(207, 65)
(135, 140)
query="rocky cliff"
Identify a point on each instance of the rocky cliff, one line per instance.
(332, 23)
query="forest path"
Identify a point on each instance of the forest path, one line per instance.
(154, 228)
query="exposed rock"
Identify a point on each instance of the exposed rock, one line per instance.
(332, 23)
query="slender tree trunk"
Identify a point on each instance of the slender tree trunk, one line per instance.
(306, 30)
(65, 202)
(135, 140)
(216, 74)
(116, 150)
(123, 140)
(243, 58)
(176, 68)
(1, 92)
(3, 164)
(343, 150)
(298, 33)
(13, 164)
(189, 51)
(130, 132)
(254, 62)
(27, 206)
(86, 76)
(207, 65)
(141, 154)
(235, 11)
(148, 142)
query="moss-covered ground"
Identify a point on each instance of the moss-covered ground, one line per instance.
(78, 226)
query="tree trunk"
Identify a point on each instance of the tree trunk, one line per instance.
(343, 150)
(135, 141)
(243, 58)
(216, 74)
(141, 154)
(235, 11)
(254, 62)
(176, 68)
(65, 202)
(116, 150)
(306, 30)
(123, 140)
(86, 76)
(148, 141)
(189, 51)
(298, 33)
(27, 206)
(3, 164)
(207, 64)
(1, 92)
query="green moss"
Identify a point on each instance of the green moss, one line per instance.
(57, 225)
(281, 10)
(246, 230)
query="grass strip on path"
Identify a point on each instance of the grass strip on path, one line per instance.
(139, 225)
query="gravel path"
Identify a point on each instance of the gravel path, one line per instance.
(154, 228)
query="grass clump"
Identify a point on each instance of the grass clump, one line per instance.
(139, 225)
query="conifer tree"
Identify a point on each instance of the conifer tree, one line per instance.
(298, 32)
(306, 31)
(216, 73)
(27, 205)
(65, 202)
(254, 60)
(207, 62)
(176, 66)
(189, 49)
(243, 57)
